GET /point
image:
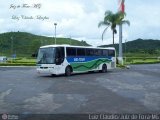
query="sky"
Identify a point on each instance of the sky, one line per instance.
(78, 19)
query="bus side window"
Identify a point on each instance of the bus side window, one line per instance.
(95, 52)
(88, 52)
(105, 53)
(91, 52)
(62, 52)
(71, 51)
(98, 52)
(111, 53)
(60, 55)
(80, 51)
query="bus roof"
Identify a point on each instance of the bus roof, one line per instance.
(64, 45)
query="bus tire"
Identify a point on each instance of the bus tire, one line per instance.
(104, 68)
(68, 71)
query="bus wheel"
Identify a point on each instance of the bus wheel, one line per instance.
(104, 68)
(68, 71)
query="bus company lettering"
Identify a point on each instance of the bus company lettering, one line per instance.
(79, 59)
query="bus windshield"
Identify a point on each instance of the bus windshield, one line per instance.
(46, 56)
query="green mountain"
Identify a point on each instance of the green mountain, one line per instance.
(146, 46)
(26, 44)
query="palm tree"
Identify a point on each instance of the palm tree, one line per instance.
(112, 20)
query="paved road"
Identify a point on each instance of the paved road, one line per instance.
(134, 90)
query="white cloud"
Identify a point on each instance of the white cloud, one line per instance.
(79, 19)
(144, 17)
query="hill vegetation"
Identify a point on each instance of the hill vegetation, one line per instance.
(146, 47)
(25, 44)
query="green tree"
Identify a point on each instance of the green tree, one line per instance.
(112, 20)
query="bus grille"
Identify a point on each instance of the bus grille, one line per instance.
(44, 67)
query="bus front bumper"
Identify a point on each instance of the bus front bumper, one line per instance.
(41, 69)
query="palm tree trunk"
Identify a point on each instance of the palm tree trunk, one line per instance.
(113, 38)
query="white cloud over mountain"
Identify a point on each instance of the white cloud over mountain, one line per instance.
(79, 18)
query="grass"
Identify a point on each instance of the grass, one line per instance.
(142, 60)
(20, 62)
(139, 60)
(121, 66)
(23, 60)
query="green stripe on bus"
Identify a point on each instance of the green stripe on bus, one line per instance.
(85, 66)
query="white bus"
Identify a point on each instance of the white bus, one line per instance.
(67, 59)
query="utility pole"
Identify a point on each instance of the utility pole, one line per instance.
(55, 24)
(11, 45)
(121, 9)
(125, 50)
(120, 45)
(11, 48)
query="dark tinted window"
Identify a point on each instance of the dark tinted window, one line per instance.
(59, 55)
(98, 52)
(90, 52)
(80, 51)
(60, 52)
(71, 51)
(105, 53)
(111, 53)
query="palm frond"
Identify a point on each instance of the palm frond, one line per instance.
(108, 13)
(121, 13)
(125, 22)
(104, 32)
(103, 23)
(112, 20)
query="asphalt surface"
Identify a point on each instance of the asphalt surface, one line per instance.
(134, 90)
